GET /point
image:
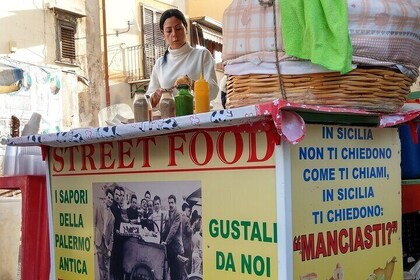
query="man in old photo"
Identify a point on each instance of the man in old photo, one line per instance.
(104, 234)
(187, 232)
(159, 216)
(172, 238)
(116, 255)
(132, 212)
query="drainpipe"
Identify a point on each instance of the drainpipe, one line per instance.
(106, 74)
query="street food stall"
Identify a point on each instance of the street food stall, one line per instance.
(281, 195)
(299, 178)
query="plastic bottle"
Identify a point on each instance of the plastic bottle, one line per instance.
(184, 101)
(141, 107)
(201, 95)
(167, 105)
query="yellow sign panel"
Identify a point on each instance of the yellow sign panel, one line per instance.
(346, 204)
(200, 203)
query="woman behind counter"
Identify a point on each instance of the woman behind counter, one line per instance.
(179, 59)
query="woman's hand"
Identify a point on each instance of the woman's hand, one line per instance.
(155, 97)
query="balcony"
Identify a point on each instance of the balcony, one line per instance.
(133, 65)
(139, 62)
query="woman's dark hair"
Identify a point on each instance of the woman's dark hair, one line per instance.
(185, 206)
(172, 13)
(194, 217)
(148, 193)
(168, 14)
(107, 191)
(141, 201)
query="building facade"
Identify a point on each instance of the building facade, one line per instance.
(79, 57)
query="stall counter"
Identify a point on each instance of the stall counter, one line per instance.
(270, 195)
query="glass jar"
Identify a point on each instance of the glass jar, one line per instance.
(141, 107)
(150, 109)
(184, 101)
(167, 105)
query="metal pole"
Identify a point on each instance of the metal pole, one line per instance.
(106, 74)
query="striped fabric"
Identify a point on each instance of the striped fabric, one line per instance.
(386, 31)
(248, 27)
(382, 32)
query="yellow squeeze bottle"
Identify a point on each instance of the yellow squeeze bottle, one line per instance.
(201, 95)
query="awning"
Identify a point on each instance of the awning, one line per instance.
(212, 29)
(212, 35)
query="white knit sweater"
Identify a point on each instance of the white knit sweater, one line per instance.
(184, 61)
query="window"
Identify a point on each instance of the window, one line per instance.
(153, 41)
(66, 40)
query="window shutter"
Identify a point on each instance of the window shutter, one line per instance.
(67, 41)
(148, 27)
(66, 28)
(156, 28)
(154, 42)
(159, 38)
(148, 49)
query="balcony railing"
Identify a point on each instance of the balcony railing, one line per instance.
(140, 61)
(132, 57)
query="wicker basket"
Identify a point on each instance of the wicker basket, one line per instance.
(371, 89)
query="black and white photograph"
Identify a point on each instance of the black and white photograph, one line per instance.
(148, 230)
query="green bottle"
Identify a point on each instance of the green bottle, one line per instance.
(184, 101)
